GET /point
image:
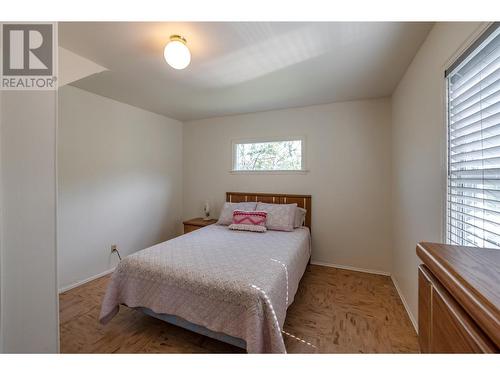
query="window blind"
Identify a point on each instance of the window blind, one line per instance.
(473, 196)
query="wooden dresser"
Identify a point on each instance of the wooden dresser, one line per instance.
(458, 299)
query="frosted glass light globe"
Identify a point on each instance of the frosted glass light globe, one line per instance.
(177, 53)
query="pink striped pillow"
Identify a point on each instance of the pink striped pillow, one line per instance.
(242, 220)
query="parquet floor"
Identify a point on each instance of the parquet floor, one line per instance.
(336, 311)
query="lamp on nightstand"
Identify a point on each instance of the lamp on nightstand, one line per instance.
(206, 209)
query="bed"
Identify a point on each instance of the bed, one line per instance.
(233, 286)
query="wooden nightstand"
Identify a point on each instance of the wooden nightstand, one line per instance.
(197, 223)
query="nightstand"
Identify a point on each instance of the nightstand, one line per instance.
(197, 223)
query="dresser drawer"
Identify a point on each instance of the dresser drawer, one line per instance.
(453, 331)
(196, 223)
(444, 326)
(189, 228)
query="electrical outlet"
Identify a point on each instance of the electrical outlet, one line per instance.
(113, 248)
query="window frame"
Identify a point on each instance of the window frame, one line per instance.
(237, 141)
(469, 46)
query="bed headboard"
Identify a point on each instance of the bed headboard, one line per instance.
(303, 201)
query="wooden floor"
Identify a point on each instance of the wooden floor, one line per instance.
(335, 311)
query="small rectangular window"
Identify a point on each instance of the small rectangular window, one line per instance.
(473, 204)
(269, 155)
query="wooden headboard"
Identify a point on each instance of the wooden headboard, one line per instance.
(303, 201)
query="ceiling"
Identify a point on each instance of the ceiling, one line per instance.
(241, 67)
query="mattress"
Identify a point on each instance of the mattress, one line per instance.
(233, 282)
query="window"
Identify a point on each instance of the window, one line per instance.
(473, 196)
(269, 155)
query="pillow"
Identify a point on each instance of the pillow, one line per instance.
(250, 217)
(279, 216)
(226, 215)
(253, 221)
(300, 217)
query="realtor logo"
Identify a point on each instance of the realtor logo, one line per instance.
(28, 57)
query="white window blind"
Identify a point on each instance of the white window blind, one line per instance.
(473, 204)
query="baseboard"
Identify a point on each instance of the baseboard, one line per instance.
(405, 304)
(350, 268)
(78, 283)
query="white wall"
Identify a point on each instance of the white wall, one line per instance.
(349, 161)
(28, 233)
(418, 152)
(120, 182)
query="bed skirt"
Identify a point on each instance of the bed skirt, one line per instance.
(179, 322)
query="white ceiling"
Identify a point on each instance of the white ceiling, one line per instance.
(241, 67)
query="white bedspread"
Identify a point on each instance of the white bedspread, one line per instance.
(237, 283)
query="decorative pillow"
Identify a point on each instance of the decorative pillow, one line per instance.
(279, 216)
(300, 217)
(226, 214)
(250, 217)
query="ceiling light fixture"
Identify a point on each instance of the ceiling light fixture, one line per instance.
(177, 53)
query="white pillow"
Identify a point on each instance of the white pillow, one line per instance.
(300, 217)
(226, 214)
(279, 216)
